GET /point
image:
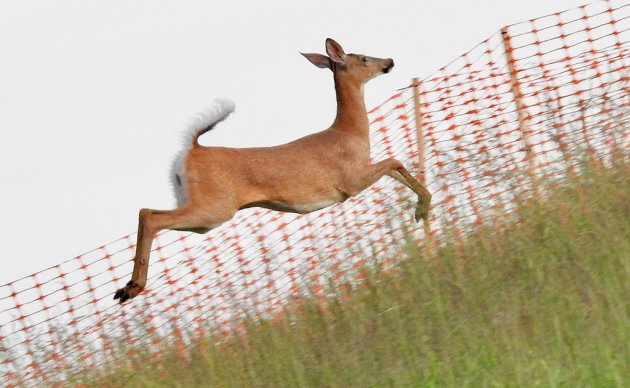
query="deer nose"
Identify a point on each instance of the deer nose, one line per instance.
(389, 65)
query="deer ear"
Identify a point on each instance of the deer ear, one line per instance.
(335, 51)
(319, 60)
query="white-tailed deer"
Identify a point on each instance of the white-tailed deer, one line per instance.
(308, 174)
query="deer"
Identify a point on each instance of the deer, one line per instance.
(308, 174)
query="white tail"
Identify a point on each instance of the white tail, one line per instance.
(308, 174)
(205, 121)
(198, 125)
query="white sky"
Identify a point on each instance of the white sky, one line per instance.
(93, 95)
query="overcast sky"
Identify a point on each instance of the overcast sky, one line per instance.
(93, 95)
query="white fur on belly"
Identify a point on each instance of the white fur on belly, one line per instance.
(311, 207)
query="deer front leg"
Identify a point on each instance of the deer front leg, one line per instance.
(396, 170)
(424, 196)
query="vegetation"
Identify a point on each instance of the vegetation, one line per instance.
(541, 300)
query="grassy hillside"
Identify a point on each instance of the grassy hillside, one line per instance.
(543, 301)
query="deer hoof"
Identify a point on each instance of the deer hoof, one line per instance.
(422, 212)
(131, 290)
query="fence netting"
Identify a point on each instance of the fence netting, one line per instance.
(524, 106)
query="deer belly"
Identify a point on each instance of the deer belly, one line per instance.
(311, 207)
(301, 208)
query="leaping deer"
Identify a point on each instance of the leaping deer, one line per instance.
(213, 183)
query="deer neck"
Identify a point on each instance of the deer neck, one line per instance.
(351, 111)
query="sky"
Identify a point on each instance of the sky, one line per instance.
(94, 95)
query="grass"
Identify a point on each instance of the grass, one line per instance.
(540, 301)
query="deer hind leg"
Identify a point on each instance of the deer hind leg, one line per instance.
(149, 224)
(396, 170)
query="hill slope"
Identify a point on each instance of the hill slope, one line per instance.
(539, 301)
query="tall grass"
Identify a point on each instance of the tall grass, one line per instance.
(540, 300)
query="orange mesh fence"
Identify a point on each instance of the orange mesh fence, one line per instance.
(524, 106)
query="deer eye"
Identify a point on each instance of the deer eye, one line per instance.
(363, 58)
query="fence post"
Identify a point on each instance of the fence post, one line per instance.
(521, 112)
(421, 158)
